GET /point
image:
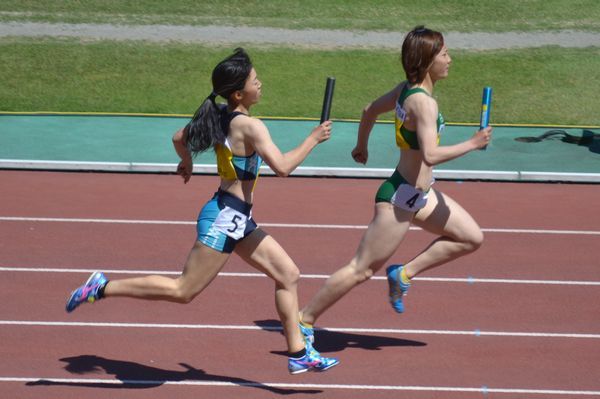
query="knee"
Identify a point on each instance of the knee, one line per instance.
(289, 277)
(474, 241)
(360, 275)
(182, 294)
(183, 297)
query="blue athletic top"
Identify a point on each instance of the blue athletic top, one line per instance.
(235, 167)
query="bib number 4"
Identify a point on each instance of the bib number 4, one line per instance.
(411, 202)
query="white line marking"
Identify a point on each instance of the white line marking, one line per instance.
(282, 225)
(469, 280)
(86, 220)
(483, 390)
(476, 333)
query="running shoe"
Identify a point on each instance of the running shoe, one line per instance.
(312, 361)
(87, 292)
(307, 332)
(398, 288)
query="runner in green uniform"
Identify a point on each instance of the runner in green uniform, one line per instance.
(407, 196)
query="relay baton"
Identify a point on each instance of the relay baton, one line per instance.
(486, 104)
(327, 99)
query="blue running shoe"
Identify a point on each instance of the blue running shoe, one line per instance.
(87, 292)
(397, 288)
(312, 361)
(307, 332)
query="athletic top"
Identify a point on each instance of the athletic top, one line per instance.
(230, 166)
(407, 139)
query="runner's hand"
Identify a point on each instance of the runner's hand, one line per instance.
(482, 137)
(184, 169)
(360, 155)
(322, 132)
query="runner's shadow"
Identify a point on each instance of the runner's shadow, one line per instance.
(334, 341)
(138, 376)
(588, 139)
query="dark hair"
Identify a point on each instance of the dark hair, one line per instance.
(419, 48)
(230, 75)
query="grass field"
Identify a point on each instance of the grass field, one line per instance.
(548, 85)
(395, 15)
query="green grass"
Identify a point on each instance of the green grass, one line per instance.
(543, 85)
(396, 15)
(546, 85)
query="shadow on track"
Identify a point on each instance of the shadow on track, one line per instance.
(588, 139)
(334, 341)
(138, 376)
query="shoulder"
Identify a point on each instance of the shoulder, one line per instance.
(421, 102)
(422, 108)
(399, 89)
(249, 125)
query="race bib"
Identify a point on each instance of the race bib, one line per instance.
(400, 112)
(409, 198)
(230, 222)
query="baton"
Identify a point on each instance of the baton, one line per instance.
(329, 87)
(486, 104)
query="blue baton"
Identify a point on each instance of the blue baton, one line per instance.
(486, 105)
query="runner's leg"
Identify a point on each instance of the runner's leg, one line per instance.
(382, 238)
(459, 233)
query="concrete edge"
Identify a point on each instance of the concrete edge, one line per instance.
(304, 171)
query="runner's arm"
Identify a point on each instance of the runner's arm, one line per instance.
(383, 104)
(284, 163)
(185, 167)
(426, 111)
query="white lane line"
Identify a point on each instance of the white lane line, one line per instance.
(476, 333)
(85, 220)
(234, 383)
(468, 280)
(282, 225)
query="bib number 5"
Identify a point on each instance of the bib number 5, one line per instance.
(231, 223)
(235, 220)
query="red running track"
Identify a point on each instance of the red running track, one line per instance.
(494, 324)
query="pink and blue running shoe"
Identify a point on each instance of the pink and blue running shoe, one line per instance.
(87, 292)
(397, 288)
(312, 361)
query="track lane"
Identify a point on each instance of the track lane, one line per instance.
(291, 200)
(422, 359)
(429, 362)
(316, 251)
(249, 301)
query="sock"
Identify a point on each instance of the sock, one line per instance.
(307, 325)
(403, 276)
(303, 324)
(297, 355)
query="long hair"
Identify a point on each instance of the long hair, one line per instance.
(419, 48)
(230, 75)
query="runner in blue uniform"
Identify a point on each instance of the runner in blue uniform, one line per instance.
(407, 196)
(225, 223)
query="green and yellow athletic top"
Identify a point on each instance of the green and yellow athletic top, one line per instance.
(407, 139)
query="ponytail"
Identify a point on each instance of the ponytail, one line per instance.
(204, 130)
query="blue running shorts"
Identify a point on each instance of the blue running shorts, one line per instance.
(224, 221)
